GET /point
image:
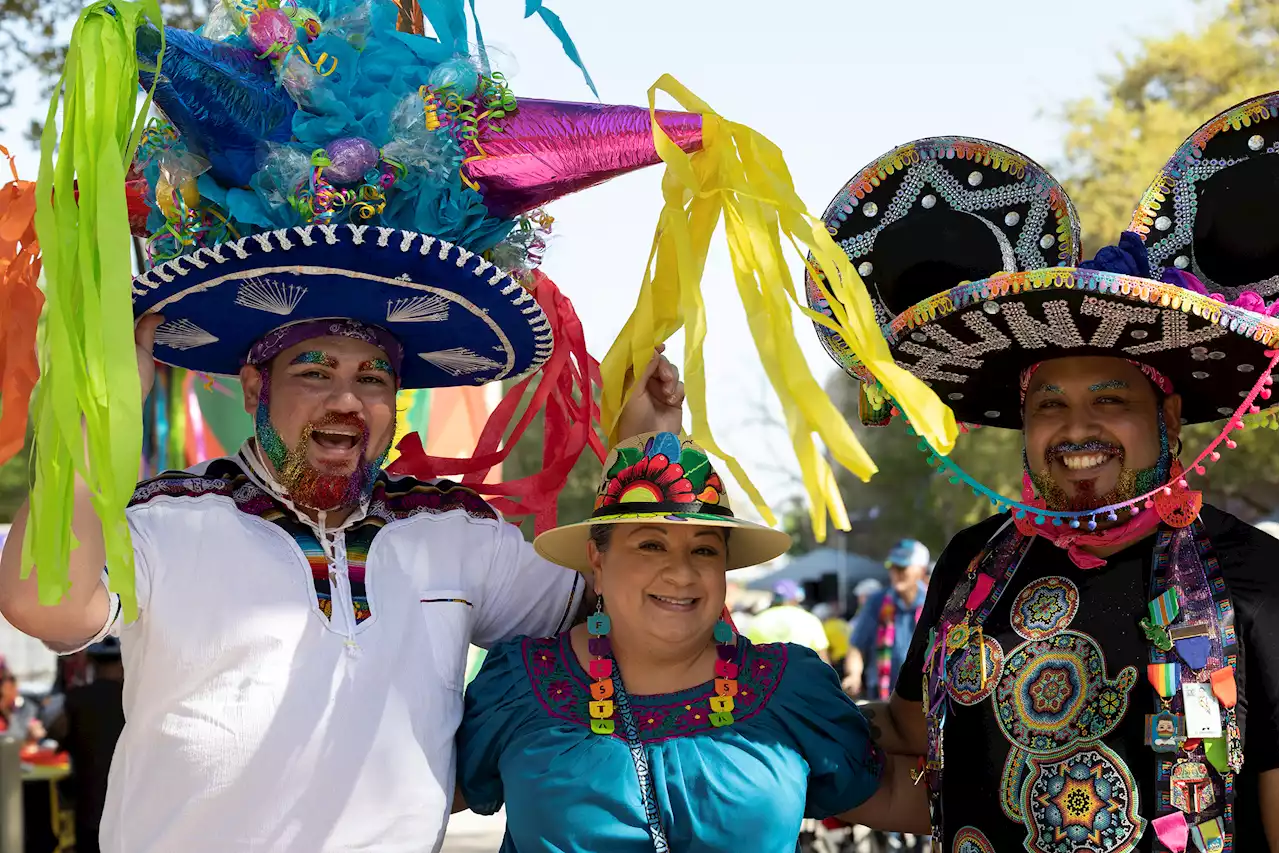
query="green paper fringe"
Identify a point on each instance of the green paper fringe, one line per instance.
(88, 365)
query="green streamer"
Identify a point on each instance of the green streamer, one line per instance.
(88, 411)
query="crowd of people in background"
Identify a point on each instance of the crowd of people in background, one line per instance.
(81, 716)
(864, 637)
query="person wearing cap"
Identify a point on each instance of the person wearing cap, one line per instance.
(882, 630)
(656, 726)
(19, 716)
(786, 621)
(1095, 667)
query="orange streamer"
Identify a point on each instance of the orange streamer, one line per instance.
(20, 305)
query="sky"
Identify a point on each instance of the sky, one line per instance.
(835, 84)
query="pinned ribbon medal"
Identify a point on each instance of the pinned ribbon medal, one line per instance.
(1172, 830)
(1223, 682)
(1165, 678)
(1192, 643)
(1164, 607)
(1208, 836)
(1190, 789)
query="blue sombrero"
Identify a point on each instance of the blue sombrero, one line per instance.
(354, 172)
(461, 320)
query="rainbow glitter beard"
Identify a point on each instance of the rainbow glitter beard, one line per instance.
(1057, 499)
(305, 486)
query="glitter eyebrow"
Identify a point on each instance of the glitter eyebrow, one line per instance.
(316, 357)
(1052, 389)
(377, 364)
(1109, 385)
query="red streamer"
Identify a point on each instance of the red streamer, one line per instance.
(563, 393)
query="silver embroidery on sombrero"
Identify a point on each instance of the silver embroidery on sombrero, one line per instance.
(1054, 692)
(1081, 801)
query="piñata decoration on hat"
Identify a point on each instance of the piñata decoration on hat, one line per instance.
(329, 164)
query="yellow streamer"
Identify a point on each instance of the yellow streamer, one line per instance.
(742, 175)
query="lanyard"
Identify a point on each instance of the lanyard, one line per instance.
(640, 758)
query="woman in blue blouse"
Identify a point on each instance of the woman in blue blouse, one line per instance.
(654, 726)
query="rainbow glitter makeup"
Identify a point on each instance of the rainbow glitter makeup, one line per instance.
(1109, 385)
(1129, 484)
(306, 486)
(377, 364)
(316, 357)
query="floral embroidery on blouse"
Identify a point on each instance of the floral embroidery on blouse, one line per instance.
(564, 693)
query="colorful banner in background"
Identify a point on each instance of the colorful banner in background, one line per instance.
(190, 417)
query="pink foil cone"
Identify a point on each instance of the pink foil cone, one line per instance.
(548, 149)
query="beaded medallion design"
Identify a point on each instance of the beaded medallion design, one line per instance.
(972, 678)
(1056, 691)
(971, 840)
(1011, 779)
(1083, 801)
(1044, 608)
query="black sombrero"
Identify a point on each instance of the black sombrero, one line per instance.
(943, 210)
(971, 340)
(1212, 209)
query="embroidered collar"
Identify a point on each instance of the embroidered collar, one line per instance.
(563, 689)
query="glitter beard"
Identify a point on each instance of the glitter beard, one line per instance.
(304, 485)
(1129, 484)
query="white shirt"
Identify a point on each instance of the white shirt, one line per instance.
(256, 723)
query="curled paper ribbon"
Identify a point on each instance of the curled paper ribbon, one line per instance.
(741, 175)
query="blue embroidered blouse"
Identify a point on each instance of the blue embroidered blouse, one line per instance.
(798, 747)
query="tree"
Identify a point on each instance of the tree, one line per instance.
(14, 481)
(577, 499)
(1165, 90)
(34, 35)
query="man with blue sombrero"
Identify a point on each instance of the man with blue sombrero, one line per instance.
(301, 617)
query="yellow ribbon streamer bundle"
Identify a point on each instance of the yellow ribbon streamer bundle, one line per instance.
(742, 175)
(88, 410)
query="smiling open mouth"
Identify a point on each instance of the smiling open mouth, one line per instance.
(1083, 457)
(671, 601)
(331, 440)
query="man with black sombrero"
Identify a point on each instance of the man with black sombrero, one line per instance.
(1101, 656)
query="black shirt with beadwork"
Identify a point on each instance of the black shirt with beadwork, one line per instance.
(1063, 642)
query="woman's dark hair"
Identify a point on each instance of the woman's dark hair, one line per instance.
(601, 534)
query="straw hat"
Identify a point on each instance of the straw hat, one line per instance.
(657, 478)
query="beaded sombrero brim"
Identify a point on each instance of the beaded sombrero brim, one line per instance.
(1211, 210)
(659, 479)
(461, 320)
(972, 342)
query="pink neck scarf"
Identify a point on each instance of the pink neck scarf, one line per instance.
(1076, 540)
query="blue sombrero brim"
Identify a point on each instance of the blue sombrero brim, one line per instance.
(461, 320)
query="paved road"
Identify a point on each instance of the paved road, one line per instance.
(470, 833)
